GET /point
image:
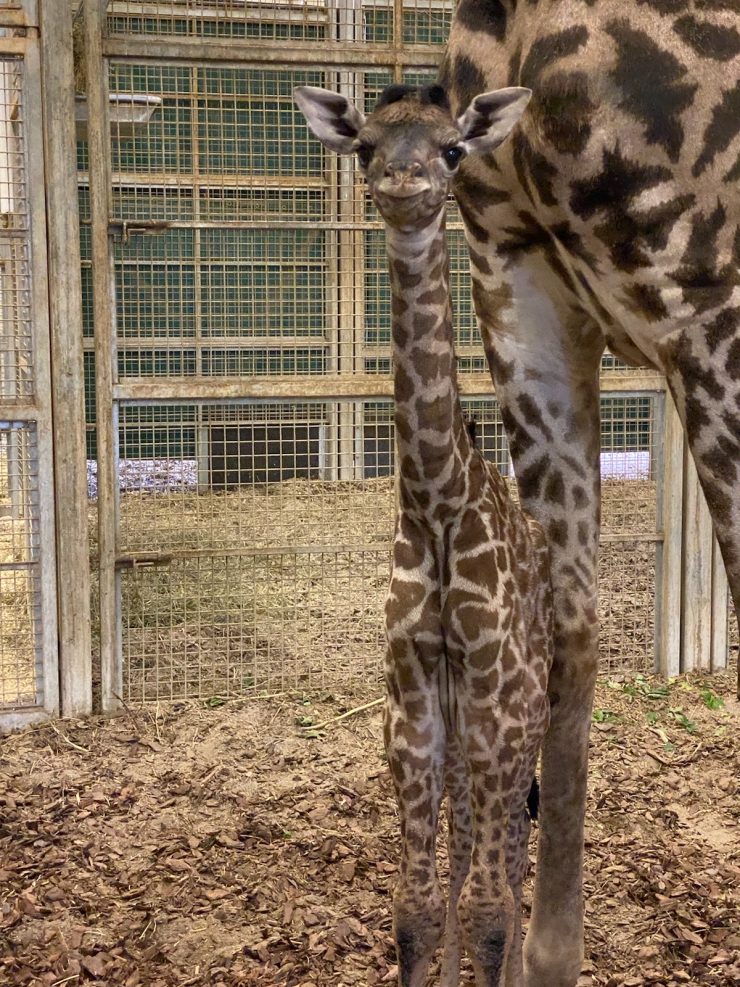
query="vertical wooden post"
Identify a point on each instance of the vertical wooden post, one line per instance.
(696, 632)
(671, 514)
(103, 308)
(33, 138)
(398, 12)
(720, 600)
(348, 244)
(67, 389)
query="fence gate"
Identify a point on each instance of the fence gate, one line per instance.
(237, 356)
(28, 626)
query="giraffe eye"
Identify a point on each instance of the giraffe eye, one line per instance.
(364, 155)
(453, 156)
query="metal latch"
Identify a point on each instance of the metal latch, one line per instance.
(142, 561)
(123, 229)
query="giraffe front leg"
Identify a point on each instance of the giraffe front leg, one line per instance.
(415, 747)
(519, 829)
(459, 844)
(544, 353)
(491, 728)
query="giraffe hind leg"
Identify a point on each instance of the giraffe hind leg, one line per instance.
(459, 843)
(415, 745)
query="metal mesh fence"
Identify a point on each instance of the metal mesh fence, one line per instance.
(247, 563)
(21, 618)
(16, 341)
(422, 22)
(20, 667)
(248, 223)
(254, 534)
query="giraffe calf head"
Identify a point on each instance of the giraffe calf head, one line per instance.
(410, 146)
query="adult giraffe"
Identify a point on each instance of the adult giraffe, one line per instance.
(609, 219)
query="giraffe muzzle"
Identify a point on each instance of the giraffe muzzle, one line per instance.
(395, 188)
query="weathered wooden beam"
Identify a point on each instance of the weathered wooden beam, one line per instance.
(65, 313)
(47, 690)
(103, 314)
(227, 51)
(14, 18)
(670, 520)
(326, 387)
(19, 719)
(720, 601)
(696, 635)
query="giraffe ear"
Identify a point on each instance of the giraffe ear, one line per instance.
(331, 117)
(490, 118)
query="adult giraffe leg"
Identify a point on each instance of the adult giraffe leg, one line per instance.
(544, 354)
(703, 371)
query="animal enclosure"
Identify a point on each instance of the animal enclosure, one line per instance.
(239, 428)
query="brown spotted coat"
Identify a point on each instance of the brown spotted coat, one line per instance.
(610, 219)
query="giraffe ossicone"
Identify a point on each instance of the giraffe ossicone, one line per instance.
(469, 612)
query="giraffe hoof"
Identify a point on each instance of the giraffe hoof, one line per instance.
(551, 974)
(489, 958)
(413, 957)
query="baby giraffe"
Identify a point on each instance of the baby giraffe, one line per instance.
(468, 617)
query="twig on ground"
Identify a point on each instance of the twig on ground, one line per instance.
(676, 762)
(82, 750)
(346, 716)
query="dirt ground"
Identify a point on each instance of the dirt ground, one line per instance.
(248, 844)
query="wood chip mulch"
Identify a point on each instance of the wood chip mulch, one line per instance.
(234, 844)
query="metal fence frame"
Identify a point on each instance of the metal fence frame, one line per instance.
(32, 31)
(690, 623)
(686, 635)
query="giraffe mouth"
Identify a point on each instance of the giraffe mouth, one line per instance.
(402, 190)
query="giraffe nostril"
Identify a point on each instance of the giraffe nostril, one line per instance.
(404, 169)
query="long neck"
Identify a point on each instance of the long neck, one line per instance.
(432, 441)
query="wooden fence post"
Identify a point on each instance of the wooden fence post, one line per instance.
(65, 314)
(696, 632)
(720, 601)
(693, 608)
(98, 137)
(670, 506)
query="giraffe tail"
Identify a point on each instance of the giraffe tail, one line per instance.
(533, 800)
(471, 424)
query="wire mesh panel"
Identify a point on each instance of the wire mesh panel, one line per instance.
(20, 618)
(267, 572)
(246, 563)
(631, 439)
(27, 600)
(253, 530)
(16, 340)
(422, 21)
